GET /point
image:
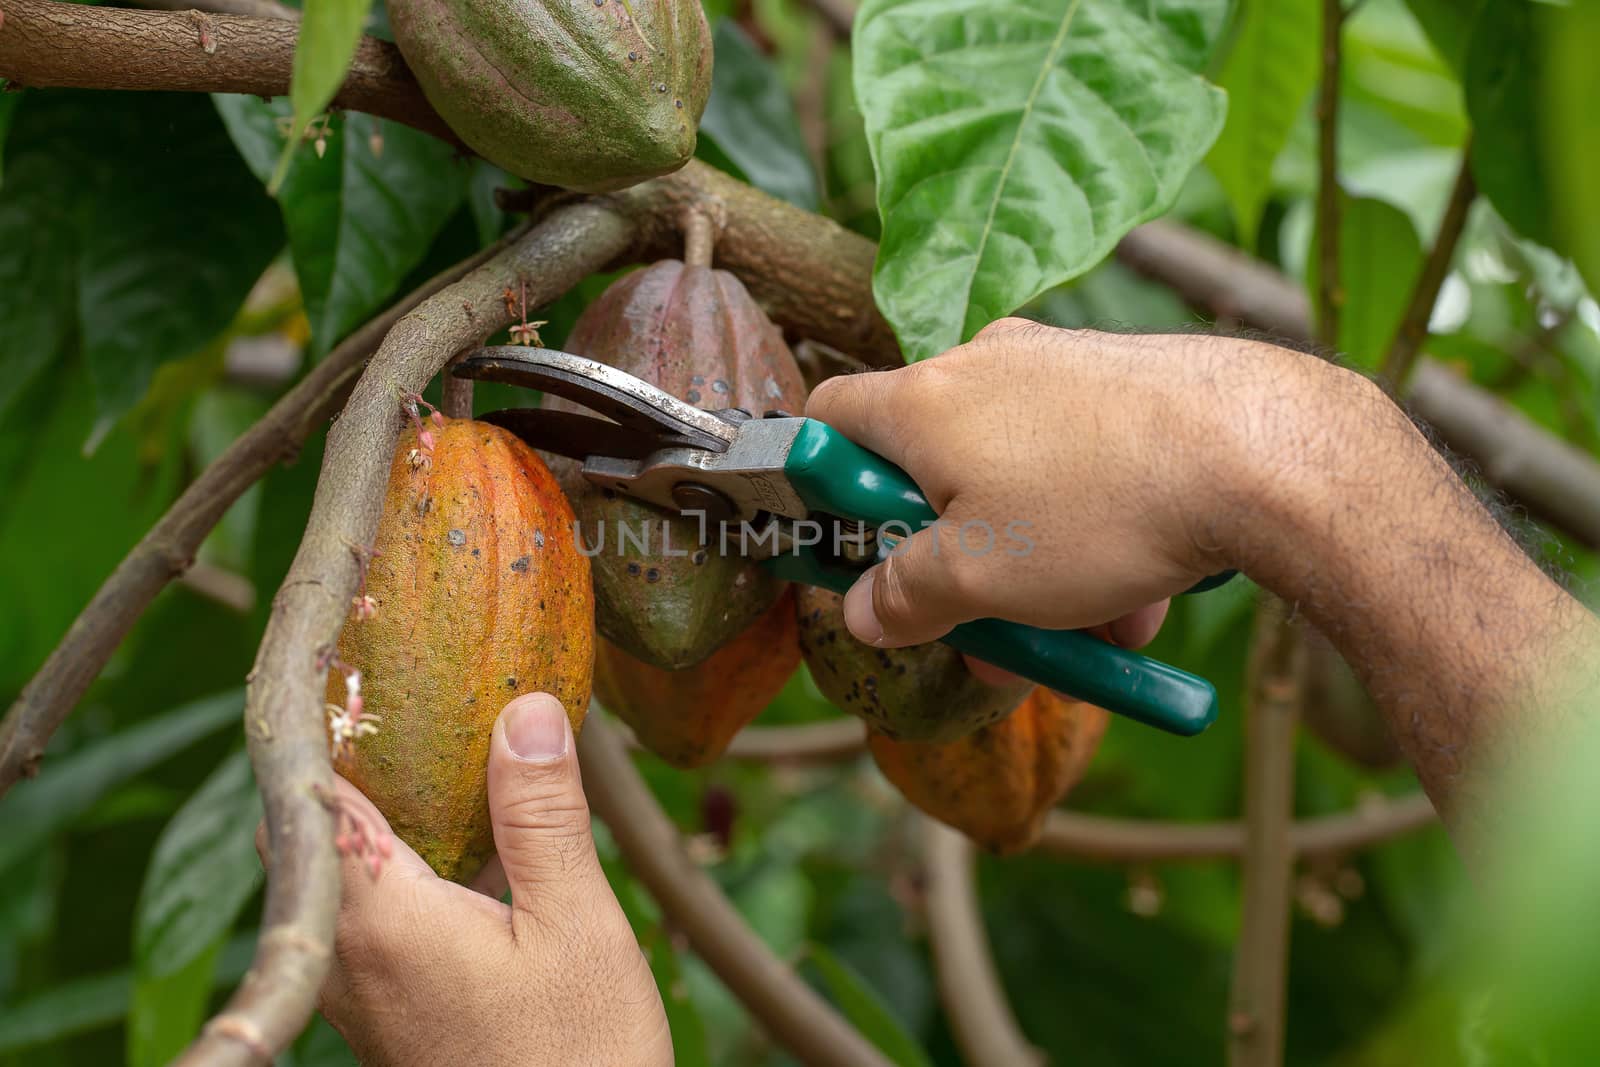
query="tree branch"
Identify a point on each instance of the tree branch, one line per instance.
(969, 987)
(283, 711)
(786, 1007)
(1075, 836)
(1413, 329)
(45, 44)
(261, 9)
(1553, 480)
(1256, 1001)
(838, 15)
(168, 549)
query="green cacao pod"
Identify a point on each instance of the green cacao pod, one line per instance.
(587, 94)
(923, 693)
(997, 784)
(478, 593)
(696, 333)
(688, 717)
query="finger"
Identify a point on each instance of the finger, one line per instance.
(1138, 628)
(868, 408)
(922, 590)
(540, 816)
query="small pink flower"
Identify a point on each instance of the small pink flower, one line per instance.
(365, 607)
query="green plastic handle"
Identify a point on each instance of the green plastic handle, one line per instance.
(835, 475)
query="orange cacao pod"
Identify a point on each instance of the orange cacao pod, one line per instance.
(480, 594)
(697, 334)
(921, 693)
(688, 717)
(997, 784)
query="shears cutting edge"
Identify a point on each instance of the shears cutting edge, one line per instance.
(753, 479)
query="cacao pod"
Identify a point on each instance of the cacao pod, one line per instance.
(696, 333)
(1339, 711)
(921, 693)
(997, 784)
(481, 594)
(587, 94)
(688, 717)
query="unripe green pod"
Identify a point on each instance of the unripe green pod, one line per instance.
(586, 94)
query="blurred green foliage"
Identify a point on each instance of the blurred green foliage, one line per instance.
(133, 226)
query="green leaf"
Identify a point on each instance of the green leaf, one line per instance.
(1501, 85)
(866, 1010)
(1015, 143)
(1270, 70)
(203, 870)
(89, 1003)
(361, 215)
(329, 33)
(1379, 260)
(165, 1012)
(1571, 137)
(8, 107)
(37, 808)
(751, 120)
(128, 228)
(1448, 25)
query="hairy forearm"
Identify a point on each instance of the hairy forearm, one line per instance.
(1474, 654)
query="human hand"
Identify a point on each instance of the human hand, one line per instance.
(1119, 457)
(429, 972)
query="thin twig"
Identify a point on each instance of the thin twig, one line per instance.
(168, 549)
(283, 709)
(839, 15)
(699, 237)
(1330, 290)
(1413, 329)
(455, 394)
(969, 986)
(1074, 836)
(1256, 1001)
(789, 1010)
(811, 98)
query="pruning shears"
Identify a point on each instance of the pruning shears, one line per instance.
(814, 506)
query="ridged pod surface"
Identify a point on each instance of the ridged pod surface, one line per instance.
(587, 94)
(481, 594)
(998, 784)
(921, 693)
(688, 717)
(696, 333)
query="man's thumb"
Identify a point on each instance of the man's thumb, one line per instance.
(540, 816)
(913, 596)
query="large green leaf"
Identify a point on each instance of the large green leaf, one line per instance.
(750, 121)
(329, 33)
(36, 809)
(1571, 140)
(1501, 84)
(866, 1010)
(165, 1012)
(1379, 260)
(128, 227)
(203, 870)
(1270, 70)
(1448, 24)
(1015, 143)
(361, 215)
(8, 107)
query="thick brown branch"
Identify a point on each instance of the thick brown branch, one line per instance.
(1260, 965)
(167, 550)
(1330, 288)
(1413, 328)
(795, 1016)
(45, 44)
(261, 9)
(284, 721)
(969, 987)
(1553, 480)
(1097, 838)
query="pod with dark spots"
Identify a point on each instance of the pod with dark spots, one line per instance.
(998, 784)
(578, 93)
(661, 595)
(920, 693)
(688, 717)
(478, 595)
